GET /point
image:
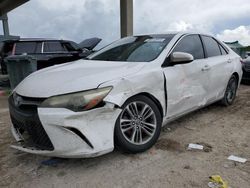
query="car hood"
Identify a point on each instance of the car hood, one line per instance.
(73, 77)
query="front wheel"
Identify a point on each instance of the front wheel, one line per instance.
(230, 92)
(138, 126)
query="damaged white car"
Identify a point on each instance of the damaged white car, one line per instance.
(122, 95)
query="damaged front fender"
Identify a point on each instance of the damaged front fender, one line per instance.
(151, 82)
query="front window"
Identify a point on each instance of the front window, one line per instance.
(191, 44)
(134, 49)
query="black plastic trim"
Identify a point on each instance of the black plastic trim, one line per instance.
(78, 133)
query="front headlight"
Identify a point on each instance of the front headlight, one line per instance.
(79, 101)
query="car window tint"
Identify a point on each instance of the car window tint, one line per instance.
(25, 47)
(53, 47)
(68, 46)
(38, 47)
(223, 51)
(191, 44)
(212, 46)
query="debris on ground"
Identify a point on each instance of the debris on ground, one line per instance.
(237, 159)
(195, 147)
(217, 182)
(200, 146)
(206, 147)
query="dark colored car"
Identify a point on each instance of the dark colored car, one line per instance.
(48, 52)
(246, 69)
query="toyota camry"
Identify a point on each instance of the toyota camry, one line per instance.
(121, 95)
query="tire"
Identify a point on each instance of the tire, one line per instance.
(137, 129)
(230, 92)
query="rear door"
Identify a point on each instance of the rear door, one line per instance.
(186, 84)
(218, 67)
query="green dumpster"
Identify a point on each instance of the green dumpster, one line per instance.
(19, 67)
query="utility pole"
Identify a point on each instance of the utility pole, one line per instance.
(4, 19)
(126, 17)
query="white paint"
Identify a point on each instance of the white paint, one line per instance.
(188, 88)
(96, 125)
(237, 159)
(75, 76)
(195, 146)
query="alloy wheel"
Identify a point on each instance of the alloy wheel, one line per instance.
(138, 123)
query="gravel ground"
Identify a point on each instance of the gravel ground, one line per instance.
(222, 130)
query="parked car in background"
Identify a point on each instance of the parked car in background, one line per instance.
(122, 95)
(48, 52)
(246, 69)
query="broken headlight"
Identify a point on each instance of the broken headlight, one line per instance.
(79, 101)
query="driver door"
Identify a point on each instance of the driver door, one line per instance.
(187, 85)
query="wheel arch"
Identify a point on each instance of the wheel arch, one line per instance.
(151, 97)
(237, 77)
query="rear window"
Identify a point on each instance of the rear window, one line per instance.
(53, 47)
(25, 47)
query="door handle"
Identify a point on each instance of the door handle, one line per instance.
(206, 68)
(229, 61)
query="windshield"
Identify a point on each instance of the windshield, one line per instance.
(134, 49)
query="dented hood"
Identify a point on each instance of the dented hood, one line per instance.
(73, 77)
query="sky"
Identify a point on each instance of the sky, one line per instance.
(76, 20)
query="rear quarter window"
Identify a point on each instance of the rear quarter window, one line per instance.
(223, 51)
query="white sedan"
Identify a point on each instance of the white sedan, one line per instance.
(121, 95)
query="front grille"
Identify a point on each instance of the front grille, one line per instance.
(25, 120)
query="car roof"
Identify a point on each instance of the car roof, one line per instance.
(174, 33)
(41, 39)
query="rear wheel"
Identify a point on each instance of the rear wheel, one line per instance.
(138, 126)
(230, 92)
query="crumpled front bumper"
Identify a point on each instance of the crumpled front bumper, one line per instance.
(76, 134)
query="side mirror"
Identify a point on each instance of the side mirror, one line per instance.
(181, 58)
